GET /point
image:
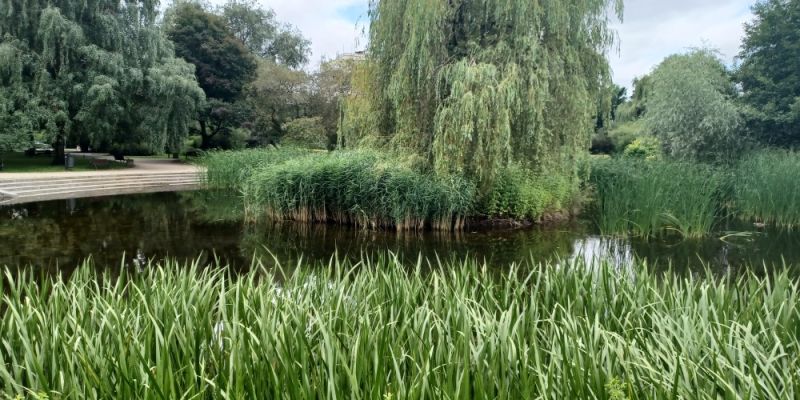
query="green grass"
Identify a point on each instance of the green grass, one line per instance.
(767, 188)
(382, 330)
(648, 198)
(19, 162)
(358, 188)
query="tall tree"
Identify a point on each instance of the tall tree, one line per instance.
(770, 72)
(468, 86)
(261, 32)
(278, 95)
(691, 107)
(98, 71)
(224, 65)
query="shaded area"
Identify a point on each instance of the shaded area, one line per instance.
(60, 234)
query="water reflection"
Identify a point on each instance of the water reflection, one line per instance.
(61, 234)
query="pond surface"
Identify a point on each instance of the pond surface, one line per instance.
(58, 235)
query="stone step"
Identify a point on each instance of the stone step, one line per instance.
(102, 185)
(99, 193)
(16, 188)
(87, 178)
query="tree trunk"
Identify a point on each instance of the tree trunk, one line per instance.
(205, 144)
(58, 151)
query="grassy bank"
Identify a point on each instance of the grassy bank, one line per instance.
(384, 331)
(647, 198)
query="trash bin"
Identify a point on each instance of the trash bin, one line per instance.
(69, 162)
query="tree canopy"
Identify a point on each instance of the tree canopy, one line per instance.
(691, 107)
(98, 72)
(770, 72)
(261, 32)
(469, 86)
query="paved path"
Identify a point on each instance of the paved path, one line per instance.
(148, 176)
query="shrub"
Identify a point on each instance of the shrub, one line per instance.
(645, 148)
(521, 194)
(622, 135)
(305, 132)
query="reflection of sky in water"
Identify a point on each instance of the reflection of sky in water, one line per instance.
(594, 249)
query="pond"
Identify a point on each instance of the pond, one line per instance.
(59, 235)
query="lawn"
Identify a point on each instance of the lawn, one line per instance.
(19, 162)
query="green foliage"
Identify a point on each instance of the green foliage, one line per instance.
(231, 169)
(691, 108)
(382, 329)
(766, 188)
(623, 134)
(647, 198)
(645, 147)
(258, 29)
(471, 86)
(358, 188)
(277, 95)
(94, 73)
(224, 65)
(521, 194)
(769, 72)
(305, 132)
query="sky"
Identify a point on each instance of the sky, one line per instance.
(651, 29)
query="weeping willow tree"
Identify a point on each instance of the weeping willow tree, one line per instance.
(470, 86)
(97, 72)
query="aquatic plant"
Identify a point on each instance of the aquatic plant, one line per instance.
(230, 169)
(361, 188)
(652, 197)
(383, 329)
(766, 188)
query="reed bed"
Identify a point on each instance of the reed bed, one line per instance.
(647, 198)
(767, 188)
(230, 169)
(358, 188)
(380, 329)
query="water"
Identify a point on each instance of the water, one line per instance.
(59, 235)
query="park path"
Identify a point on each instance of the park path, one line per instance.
(148, 176)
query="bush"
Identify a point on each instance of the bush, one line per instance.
(305, 132)
(521, 194)
(645, 148)
(119, 151)
(624, 134)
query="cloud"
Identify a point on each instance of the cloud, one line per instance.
(652, 29)
(333, 26)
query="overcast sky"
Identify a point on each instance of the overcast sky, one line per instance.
(652, 29)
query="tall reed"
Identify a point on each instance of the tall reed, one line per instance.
(359, 188)
(230, 169)
(647, 198)
(767, 188)
(383, 330)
